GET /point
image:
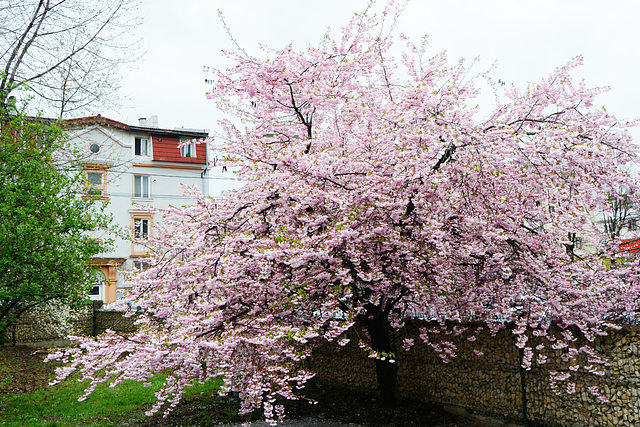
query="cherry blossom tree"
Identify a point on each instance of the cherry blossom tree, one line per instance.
(374, 192)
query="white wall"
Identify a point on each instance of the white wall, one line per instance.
(121, 163)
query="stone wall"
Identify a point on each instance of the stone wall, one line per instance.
(34, 329)
(114, 320)
(492, 384)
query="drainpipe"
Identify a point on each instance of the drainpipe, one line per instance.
(205, 190)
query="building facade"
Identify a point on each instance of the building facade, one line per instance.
(136, 168)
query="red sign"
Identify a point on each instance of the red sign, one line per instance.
(631, 245)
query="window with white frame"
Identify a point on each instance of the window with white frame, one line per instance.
(142, 147)
(140, 265)
(96, 292)
(142, 186)
(188, 149)
(141, 228)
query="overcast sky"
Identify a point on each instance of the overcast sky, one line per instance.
(527, 39)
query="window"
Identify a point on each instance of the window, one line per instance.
(97, 290)
(141, 147)
(141, 229)
(97, 242)
(95, 148)
(577, 243)
(140, 265)
(96, 182)
(142, 186)
(188, 150)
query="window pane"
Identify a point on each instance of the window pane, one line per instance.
(141, 227)
(188, 150)
(145, 186)
(141, 147)
(94, 178)
(99, 279)
(137, 186)
(140, 265)
(95, 183)
(141, 186)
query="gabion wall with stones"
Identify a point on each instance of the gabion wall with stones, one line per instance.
(89, 321)
(491, 384)
(114, 320)
(35, 328)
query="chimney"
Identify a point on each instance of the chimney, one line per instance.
(151, 122)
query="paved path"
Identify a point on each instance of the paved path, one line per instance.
(322, 422)
(302, 422)
(472, 420)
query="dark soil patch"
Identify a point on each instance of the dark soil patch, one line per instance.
(22, 369)
(359, 407)
(332, 403)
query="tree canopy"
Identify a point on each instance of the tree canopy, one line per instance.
(375, 192)
(44, 222)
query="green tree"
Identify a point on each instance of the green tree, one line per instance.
(45, 224)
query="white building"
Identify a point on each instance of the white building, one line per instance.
(135, 166)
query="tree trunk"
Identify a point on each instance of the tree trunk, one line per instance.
(378, 328)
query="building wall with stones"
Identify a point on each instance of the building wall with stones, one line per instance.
(492, 384)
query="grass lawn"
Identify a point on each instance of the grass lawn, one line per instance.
(26, 399)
